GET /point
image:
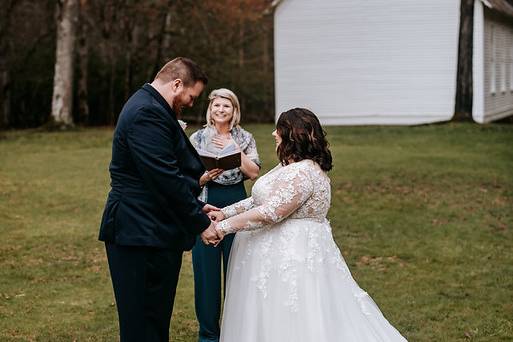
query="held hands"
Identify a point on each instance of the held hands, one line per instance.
(209, 208)
(216, 216)
(213, 235)
(210, 236)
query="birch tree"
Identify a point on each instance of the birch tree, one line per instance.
(66, 17)
(83, 60)
(5, 45)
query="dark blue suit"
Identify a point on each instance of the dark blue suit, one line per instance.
(152, 213)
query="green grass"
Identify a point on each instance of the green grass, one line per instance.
(423, 216)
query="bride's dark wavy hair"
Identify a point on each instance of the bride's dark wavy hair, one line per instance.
(302, 138)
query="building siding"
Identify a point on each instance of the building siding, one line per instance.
(372, 62)
(498, 47)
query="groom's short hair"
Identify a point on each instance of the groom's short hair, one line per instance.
(182, 68)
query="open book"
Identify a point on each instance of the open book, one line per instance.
(228, 158)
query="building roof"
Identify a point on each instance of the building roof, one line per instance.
(501, 6)
(272, 6)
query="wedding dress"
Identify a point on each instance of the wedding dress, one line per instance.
(287, 280)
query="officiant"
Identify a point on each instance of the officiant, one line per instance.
(220, 188)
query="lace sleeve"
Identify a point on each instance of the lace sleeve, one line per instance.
(291, 190)
(239, 207)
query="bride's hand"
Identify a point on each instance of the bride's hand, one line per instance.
(220, 235)
(216, 216)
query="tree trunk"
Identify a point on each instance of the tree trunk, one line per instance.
(266, 68)
(83, 55)
(112, 76)
(5, 48)
(162, 41)
(5, 98)
(167, 36)
(241, 60)
(109, 19)
(127, 79)
(132, 45)
(464, 93)
(62, 99)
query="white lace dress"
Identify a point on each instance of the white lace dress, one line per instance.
(287, 280)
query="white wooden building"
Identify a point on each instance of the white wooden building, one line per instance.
(493, 61)
(389, 61)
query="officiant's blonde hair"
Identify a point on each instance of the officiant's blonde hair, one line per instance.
(225, 94)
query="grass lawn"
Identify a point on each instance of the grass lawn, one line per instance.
(423, 216)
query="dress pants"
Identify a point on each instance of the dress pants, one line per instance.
(144, 281)
(207, 260)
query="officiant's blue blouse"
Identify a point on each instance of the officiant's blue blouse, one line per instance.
(202, 139)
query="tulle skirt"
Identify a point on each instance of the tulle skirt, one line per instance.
(289, 282)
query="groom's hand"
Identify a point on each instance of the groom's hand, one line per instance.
(210, 236)
(210, 208)
(216, 215)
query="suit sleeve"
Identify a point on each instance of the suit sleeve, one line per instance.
(150, 140)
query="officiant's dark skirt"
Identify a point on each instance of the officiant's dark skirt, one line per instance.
(207, 262)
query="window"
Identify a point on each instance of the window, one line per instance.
(492, 60)
(503, 77)
(511, 66)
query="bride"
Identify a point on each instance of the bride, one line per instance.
(287, 280)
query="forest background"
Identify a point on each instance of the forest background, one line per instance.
(112, 47)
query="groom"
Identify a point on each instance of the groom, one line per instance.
(152, 213)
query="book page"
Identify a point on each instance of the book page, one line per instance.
(206, 153)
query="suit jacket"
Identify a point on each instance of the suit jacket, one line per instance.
(154, 178)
